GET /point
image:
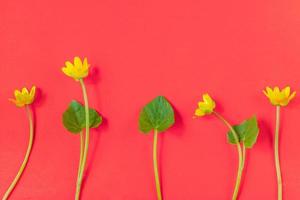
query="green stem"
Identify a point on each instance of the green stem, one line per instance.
(87, 139)
(80, 162)
(81, 150)
(244, 154)
(156, 174)
(240, 154)
(25, 161)
(276, 154)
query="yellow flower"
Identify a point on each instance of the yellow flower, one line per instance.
(24, 97)
(279, 98)
(206, 106)
(78, 69)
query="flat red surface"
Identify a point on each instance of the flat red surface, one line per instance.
(140, 49)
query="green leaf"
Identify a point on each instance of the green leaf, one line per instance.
(74, 118)
(247, 132)
(156, 115)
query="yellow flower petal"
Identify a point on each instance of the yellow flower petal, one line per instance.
(287, 91)
(24, 91)
(69, 64)
(32, 92)
(17, 103)
(66, 71)
(85, 64)
(199, 112)
(292, 96)
(265, 93)
(268, 92)
(276, 90)
(206, 97)
(77, 62)
(17, 93)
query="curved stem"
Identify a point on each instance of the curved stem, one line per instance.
(155, 165)
(25, 161)
(87, 139)
(240, 154)
(276, 154)
(80, 162)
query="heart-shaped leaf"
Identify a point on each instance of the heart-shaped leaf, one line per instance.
(156, 115)
(247, 132)
(74, 118)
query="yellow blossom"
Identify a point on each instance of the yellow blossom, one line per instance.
(279, 98)
(24, 97)
(206, 106)
(78, 69)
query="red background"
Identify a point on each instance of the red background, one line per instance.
(140, 49)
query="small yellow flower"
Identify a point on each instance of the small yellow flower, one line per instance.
(279, 98)
(78, 69)
(206, 106)
(24, 97)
